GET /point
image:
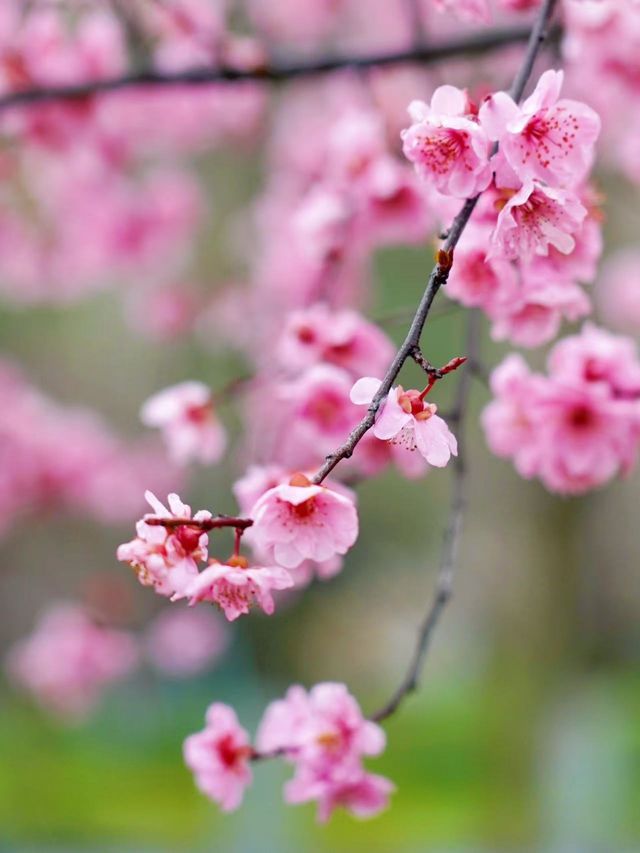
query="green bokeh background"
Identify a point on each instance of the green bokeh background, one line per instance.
(525, 734)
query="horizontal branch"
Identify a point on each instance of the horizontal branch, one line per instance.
(204, 524)
(474, 44)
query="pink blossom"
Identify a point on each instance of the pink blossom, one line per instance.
(219, 756)
(322, 726)
(476, 280)
(533, 312)
(324, 734)
(510, 421)
(322, 223)
(363, 794)
(578, 426)
(407, 420)
(343, 338)
(618, 293)
(188, 421)
(597, 356)
(395, 208)
(298, 520)
(587, 439)
(447, 145)
(182, 643)
(535, 218)
(319, 412)
(162, 558)
(236, 584)
(545, 138)
(70, 659)
(256, 480)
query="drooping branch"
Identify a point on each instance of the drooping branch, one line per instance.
(452, 535)
(448, 559)
(275, 72)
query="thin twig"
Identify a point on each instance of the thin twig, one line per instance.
(452, 536)
(474, 44)
(204, 524)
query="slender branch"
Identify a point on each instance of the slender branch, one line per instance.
(474, 44)
(452, 536)
(453, 531)
(204, 524)
(440, 272)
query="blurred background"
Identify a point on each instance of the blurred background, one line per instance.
(525, 733)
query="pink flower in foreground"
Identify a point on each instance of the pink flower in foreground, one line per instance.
(324, 734)
(535, 218)
(447, 145)
(235, 585)
(182, 643)
(407, 420)
(545, 138)
(163, 559)
(188, 422)
(219, 756)
(69, 660)
(298, 520)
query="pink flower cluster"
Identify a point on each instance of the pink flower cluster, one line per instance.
(576, 427)
(319, 354)
(535, 234)
(69, 660)
(290, 523)
(321, 732)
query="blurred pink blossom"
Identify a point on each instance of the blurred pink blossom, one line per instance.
(69, 660)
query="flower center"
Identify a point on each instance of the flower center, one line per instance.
(237, 561)
(582, 417)
(198, 414)
(230, 754)
(329, 740)
(412, 403)
(441, 149)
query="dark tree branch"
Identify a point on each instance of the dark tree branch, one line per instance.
(474, 44)
(452, 536)
(444, 584)
(204, 524)
(440, 272)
